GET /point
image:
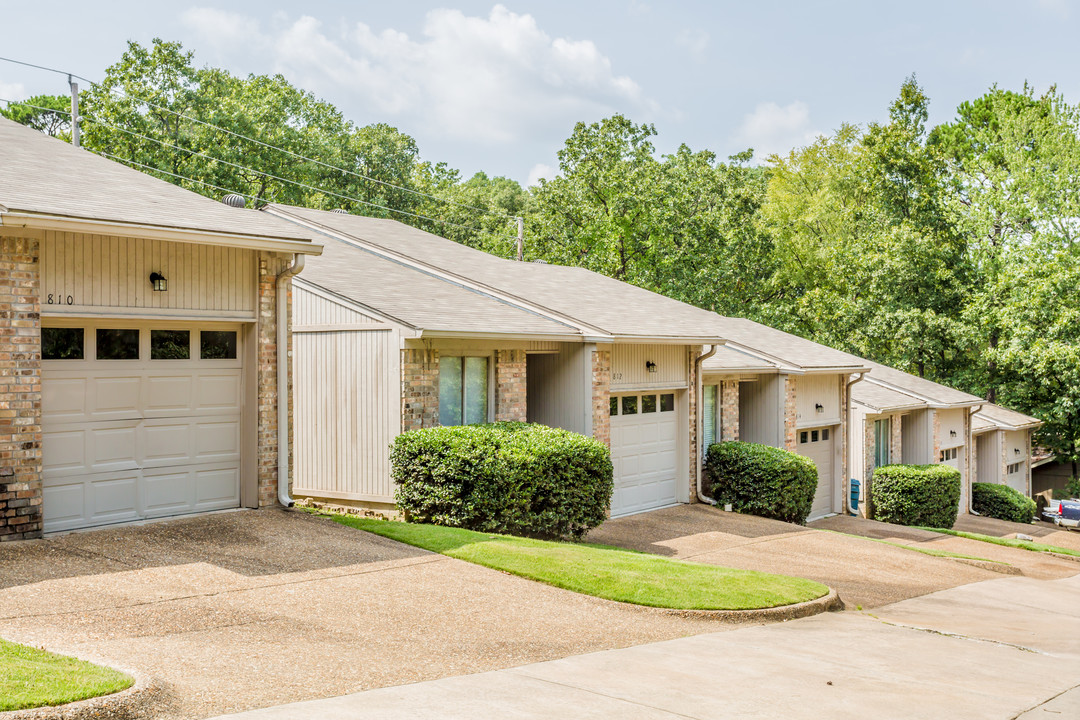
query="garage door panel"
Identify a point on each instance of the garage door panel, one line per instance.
(113, 498)
(217, 487)
(645, 460)
(165, 443)
(63, 400)
(111, 447)
(66, 452)
(168, 492)
(217, 440)
(63, 505)
(114, 397)
(822, 452)
(169, 394)
(218, 392)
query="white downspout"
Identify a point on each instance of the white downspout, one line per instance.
(967, 458)
(283, 377)
(847, 444)
(698, 399)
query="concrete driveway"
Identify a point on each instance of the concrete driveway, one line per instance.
(256, 608)
(865, 573)
(1006, 649)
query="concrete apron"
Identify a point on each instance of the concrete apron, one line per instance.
(995, 649)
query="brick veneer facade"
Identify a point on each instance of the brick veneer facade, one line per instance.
(510, 388)
(20, 390)
(601, 395)
(270, 266)
(729, 410)
(790, 411)
(419, 389)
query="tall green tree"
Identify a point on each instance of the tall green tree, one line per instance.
(50, 114)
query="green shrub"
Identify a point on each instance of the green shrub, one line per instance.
(1001, 502)
(511, 478)
(921, 495)
(762, 480)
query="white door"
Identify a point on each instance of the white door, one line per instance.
(817, 444)
(643, 451)
(139, 421)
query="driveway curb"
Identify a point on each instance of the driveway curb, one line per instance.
(825, 603)
(141, 701)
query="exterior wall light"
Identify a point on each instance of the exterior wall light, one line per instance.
(952, 433)
(819, 407)
(158, 281)
(650, 366)
(1016, 450)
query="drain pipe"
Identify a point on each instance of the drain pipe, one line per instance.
(698, 399)
(283, 377)
(847, 446)
(967, 459)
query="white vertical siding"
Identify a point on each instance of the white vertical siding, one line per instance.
(88, 273)
(760, 413)
(557, 392)
(628, 369)
(1017, 440)
(951, 428)
(311, 308)
(987, 457)
(916, 442)
(813, 390)
(857, 442)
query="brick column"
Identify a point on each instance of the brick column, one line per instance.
(419, 389)
(729, 410)
(601, 394)
(869, 448)
(270, 266)
(935, 424)
(896, 442)
(790, 415)
(20, 390)
(510, 385)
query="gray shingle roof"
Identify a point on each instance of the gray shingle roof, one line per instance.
(1004, 417)
(611, 306)
(728, 359)
(791, 349)
(43, 175)
(418, 299)
(882, 398)
(906, 382)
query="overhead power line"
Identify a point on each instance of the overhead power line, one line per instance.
(298, 156)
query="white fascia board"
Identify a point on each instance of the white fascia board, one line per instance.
(667, 340)
(435, 271)
(156, 232)
(473, 335)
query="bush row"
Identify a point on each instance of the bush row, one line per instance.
(924, 495)
(762, 480)
(1002, 502)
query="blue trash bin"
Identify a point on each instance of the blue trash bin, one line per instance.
(855, 491)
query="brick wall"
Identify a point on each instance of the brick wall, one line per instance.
(419, 389)
(20, 390)
(270, 266)
(790, 411)
(935, 422)
(601, 394)
(510, 385)
(729, 410)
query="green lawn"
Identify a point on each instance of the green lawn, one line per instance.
(32, 678)
(1008, 542)
(605, 572)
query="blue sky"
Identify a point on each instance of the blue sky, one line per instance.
(498, 87)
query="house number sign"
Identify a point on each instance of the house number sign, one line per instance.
(59, 299)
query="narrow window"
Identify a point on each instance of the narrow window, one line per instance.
(629, 405)
(117, 344)
(813, 436)
(62, 343)
(667, 402)
(170, 344)
(217, 345)
(463, 390)
(882, 434)
(825, 434)
(613, 406)
(648, 403)
(803, 436)
(708, 416)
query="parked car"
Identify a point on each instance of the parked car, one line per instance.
(1068, 514)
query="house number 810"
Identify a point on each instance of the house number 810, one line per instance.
(55, 299)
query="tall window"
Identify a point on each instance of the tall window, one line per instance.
(463, 390)
(708, 417)
(882, 436)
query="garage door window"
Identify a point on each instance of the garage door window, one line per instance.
(115, 344)
(629, 405)
(62, 343)
(217, 345)
(170, 344)
(667, 402)
(463, 390)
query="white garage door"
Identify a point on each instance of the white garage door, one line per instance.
(139, 422)
(817, 444)
(643, 451)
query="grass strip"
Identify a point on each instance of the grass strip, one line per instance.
(31, 678)
(1008, 542)
(924, 551)
(601, 571)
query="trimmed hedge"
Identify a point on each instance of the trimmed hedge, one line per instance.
(510, 478)
(921, 495)
(762, 480)
(1002, 502)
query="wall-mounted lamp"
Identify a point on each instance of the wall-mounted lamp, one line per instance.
(158, 281)
(819, 407)
(952, 433)
(1016, 450)
(650, 366)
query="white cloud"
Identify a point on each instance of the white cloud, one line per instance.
(694, 40)
(1061, 8)
(494, 79)
(540, 170)
(773, 129)
(12, 91)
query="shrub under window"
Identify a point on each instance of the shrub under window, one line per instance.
(924, 495)
(1002, 502)
(762, 480)
(514, 478)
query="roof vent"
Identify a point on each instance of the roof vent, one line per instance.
(541, 262)
(340, 211)
(234, 200)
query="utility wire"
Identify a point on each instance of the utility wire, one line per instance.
(151, 168)
(263, 144)
(36, 107)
